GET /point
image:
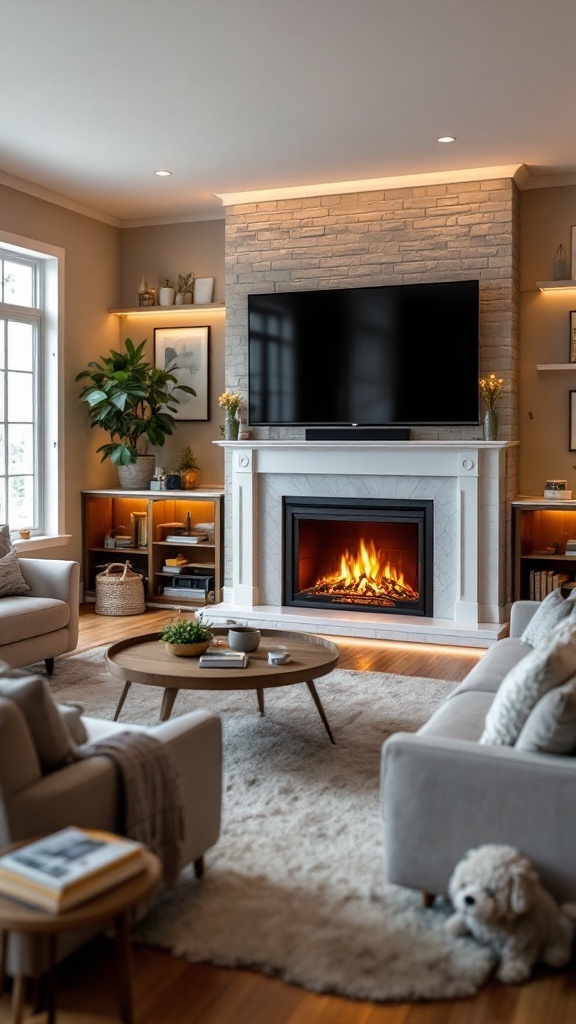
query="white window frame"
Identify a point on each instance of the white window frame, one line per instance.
(50, 386)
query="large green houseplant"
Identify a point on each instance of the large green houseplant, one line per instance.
(132, 400)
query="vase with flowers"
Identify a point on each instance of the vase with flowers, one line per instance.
(491, 388)
(231, 402)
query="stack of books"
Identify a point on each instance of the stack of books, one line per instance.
(543, 581)
(571, 548)
(223, 657)
(184, 538)
(69, 867)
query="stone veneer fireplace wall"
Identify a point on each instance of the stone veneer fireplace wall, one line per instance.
(425, 233)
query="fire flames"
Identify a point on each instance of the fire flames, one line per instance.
(364, 578)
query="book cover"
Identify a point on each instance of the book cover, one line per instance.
(223, 658)
(68, 867)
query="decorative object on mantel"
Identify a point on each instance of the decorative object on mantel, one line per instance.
(559, 273)
(185, 286)
(490, 390)
(166, 294)
(231, 402)
(129, 398)
(203, 290)
(556, 489)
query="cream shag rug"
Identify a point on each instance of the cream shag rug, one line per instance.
(294, 885)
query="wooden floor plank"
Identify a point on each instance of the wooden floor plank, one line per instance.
(170, 991)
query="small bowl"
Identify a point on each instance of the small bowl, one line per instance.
(278, 656)
(25, 534)
(243, 638)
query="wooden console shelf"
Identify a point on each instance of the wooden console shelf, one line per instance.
(540, 530)
(107, 512)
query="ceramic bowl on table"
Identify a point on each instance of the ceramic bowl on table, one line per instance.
(243, 638)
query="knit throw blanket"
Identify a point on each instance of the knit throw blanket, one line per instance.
(152, 805)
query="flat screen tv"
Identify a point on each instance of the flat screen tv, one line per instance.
(388, 356)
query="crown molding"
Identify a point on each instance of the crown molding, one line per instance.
(150, 222)
(31, 189)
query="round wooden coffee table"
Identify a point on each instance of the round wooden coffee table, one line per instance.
(145, 660)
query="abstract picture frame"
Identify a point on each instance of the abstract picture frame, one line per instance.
(188, 349)
(572, 421)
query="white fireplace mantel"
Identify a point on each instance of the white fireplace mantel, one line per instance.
(465, 479)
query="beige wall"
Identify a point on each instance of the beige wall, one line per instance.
(165, 251)
(547, 215)
(91, 288)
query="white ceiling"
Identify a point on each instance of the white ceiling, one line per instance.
(235, 95)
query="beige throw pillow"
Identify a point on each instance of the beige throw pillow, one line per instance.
(551, 725)
(50, 735)
(553, 610)
(549, 665)
(12, 582)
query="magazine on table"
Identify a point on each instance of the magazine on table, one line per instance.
(69, 867)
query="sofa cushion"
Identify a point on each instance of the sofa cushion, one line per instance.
(11, 579)
(27, 617)
(549, 665)
(493, 666)
(551, 725)
(461, 717)
(50, 735)
(553, 609)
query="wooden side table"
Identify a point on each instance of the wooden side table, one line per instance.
(114, 905)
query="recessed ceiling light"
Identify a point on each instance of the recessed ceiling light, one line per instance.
(447, 138)
(163, 174)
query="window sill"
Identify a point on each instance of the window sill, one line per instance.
(39, 542)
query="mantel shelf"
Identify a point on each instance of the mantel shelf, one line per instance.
(189, 307)
(556, 366)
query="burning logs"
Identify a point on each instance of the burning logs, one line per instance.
(363, 579)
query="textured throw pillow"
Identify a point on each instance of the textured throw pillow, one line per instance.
(72, 716)
(5, 542)
(12, 581)
(50, 735)
(551, 725)
(551, 612)
(549, 665)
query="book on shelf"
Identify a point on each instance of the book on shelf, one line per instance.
(222, 657)
(542, 582)
(69, 867)
(181, 538)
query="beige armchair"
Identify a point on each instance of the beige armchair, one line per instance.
(88, 793)
(43, 623)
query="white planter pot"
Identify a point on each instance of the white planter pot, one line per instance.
(166, 297)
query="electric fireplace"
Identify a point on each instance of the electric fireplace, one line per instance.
(359, 554)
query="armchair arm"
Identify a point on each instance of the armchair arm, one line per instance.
(52, 577)
(441, 797)
(520, 615)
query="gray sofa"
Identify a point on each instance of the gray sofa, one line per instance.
(43, 623)
(444, 793)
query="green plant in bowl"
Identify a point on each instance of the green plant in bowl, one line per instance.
(187, 637)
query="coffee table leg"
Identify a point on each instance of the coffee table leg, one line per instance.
(321, 711)
(260, 695)
(168, 703)
(120, 703)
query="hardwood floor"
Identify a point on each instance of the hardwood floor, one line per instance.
(170, 991)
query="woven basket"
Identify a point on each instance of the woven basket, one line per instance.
(119, 591)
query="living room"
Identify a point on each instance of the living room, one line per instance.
(500, 224)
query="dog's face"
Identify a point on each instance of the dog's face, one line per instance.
(492, 883)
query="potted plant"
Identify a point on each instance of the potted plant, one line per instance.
(187, 637)
(188, 468)
(133, 401)
(185, 286)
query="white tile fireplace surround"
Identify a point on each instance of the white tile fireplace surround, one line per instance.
(466, 480)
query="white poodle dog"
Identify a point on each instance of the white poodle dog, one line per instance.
(498, 899)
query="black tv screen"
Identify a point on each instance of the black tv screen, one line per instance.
(389, 355)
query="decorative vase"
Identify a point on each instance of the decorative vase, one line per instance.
(179, 300)
(166, 295)
(136, 476)
(231, 426)
(188, 479)
(490, 425)
(188, 650)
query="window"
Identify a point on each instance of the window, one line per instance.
(29, 377)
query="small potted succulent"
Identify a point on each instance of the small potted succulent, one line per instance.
(185, 286)
(187, 637)
(188, 468)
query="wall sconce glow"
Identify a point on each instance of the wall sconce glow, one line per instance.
(163, 174)
(446, 138)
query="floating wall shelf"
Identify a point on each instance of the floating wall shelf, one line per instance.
(556, 366)
(556, 286)
(169, 310)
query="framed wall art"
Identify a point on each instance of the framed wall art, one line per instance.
(185, 352)
(572, 442)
